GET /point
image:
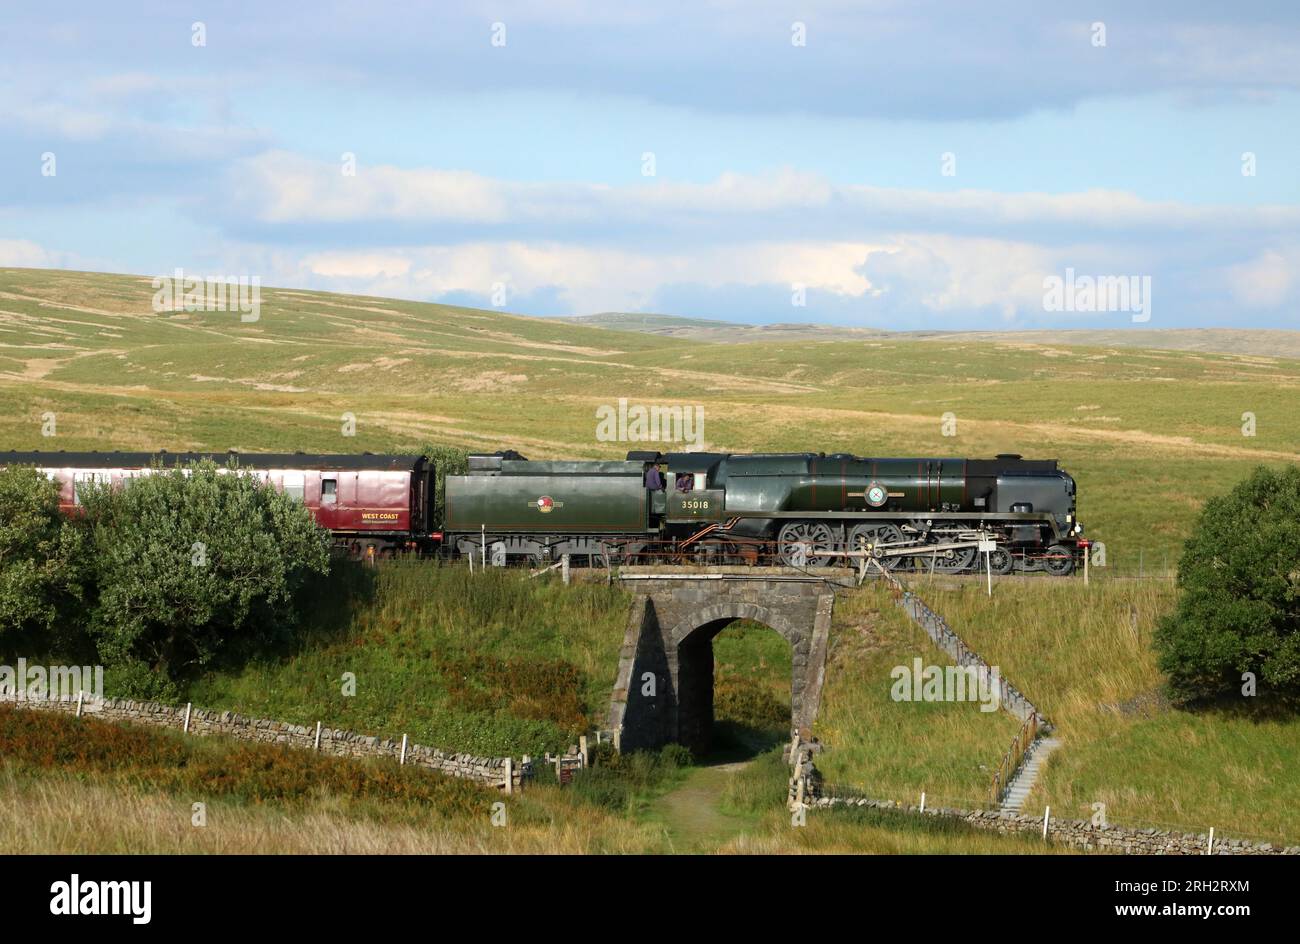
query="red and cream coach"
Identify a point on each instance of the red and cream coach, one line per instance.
(374, 505)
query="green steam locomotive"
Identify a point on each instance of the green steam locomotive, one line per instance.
(794, 509)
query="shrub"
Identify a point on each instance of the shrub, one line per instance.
(1239, 602)
(41, 562)
(191, 565)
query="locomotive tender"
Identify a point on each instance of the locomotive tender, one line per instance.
(796, 509)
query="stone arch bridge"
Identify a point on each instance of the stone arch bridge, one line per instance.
(664, 688)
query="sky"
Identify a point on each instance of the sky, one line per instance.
(899, 165)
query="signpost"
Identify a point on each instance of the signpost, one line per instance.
(987, 546)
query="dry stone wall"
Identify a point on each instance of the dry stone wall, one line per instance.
(1081, 834)
(333, 741)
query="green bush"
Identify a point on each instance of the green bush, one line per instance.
(1239, 604)
(195, 565)
(41, 564)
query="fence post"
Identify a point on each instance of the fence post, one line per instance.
(510, 775)
(317, 745)
(922, 801)
(79, 697)
(1047, 812)
(402, 760)
(186, 729)
(564, 569)
(582, 748)
(1209, 848)
(483, 544)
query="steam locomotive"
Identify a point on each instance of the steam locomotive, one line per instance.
(792, 509)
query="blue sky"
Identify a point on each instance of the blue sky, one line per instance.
(908, 165)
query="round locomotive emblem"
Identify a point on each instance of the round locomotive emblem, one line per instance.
(876, 495)
(546, 504)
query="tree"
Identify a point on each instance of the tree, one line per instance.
(447, 460)
(40, 562)
(194, 564)
(1239, 605)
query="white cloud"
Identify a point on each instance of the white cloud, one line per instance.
(280, 187)
(1266, 281)
(589, 279)
(23, 253)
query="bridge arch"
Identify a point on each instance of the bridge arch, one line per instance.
(664, 689)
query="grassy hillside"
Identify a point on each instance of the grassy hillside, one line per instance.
(89, 349)
(1084, 656)
(492, 664)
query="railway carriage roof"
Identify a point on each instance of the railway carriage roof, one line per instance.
(249, 460)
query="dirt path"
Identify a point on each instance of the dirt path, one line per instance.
(692, 813)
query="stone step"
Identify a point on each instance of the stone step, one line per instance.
(1025, 778)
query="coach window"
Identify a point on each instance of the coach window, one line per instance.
(293, 485)
(329, 490)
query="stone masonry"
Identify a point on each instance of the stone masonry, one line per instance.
(1079, 834)
(664, 688)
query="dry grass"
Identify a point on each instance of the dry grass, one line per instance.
(63, 815)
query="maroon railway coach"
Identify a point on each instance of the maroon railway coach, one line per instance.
(373, 505)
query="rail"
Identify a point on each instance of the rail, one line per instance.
(1012, 758)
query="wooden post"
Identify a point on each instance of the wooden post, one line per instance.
(402, 759)
(922, 801)
(1047, 812)
(186, 729)
(1209, 848)
(79, 697)
(483, 544)
(618, 739)
(564, 569)
(582, 748)
(317, 745)
(510, 776)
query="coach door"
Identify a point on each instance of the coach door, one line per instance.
(328, 510)
(347, 516)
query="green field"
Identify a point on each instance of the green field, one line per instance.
(500, 663)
